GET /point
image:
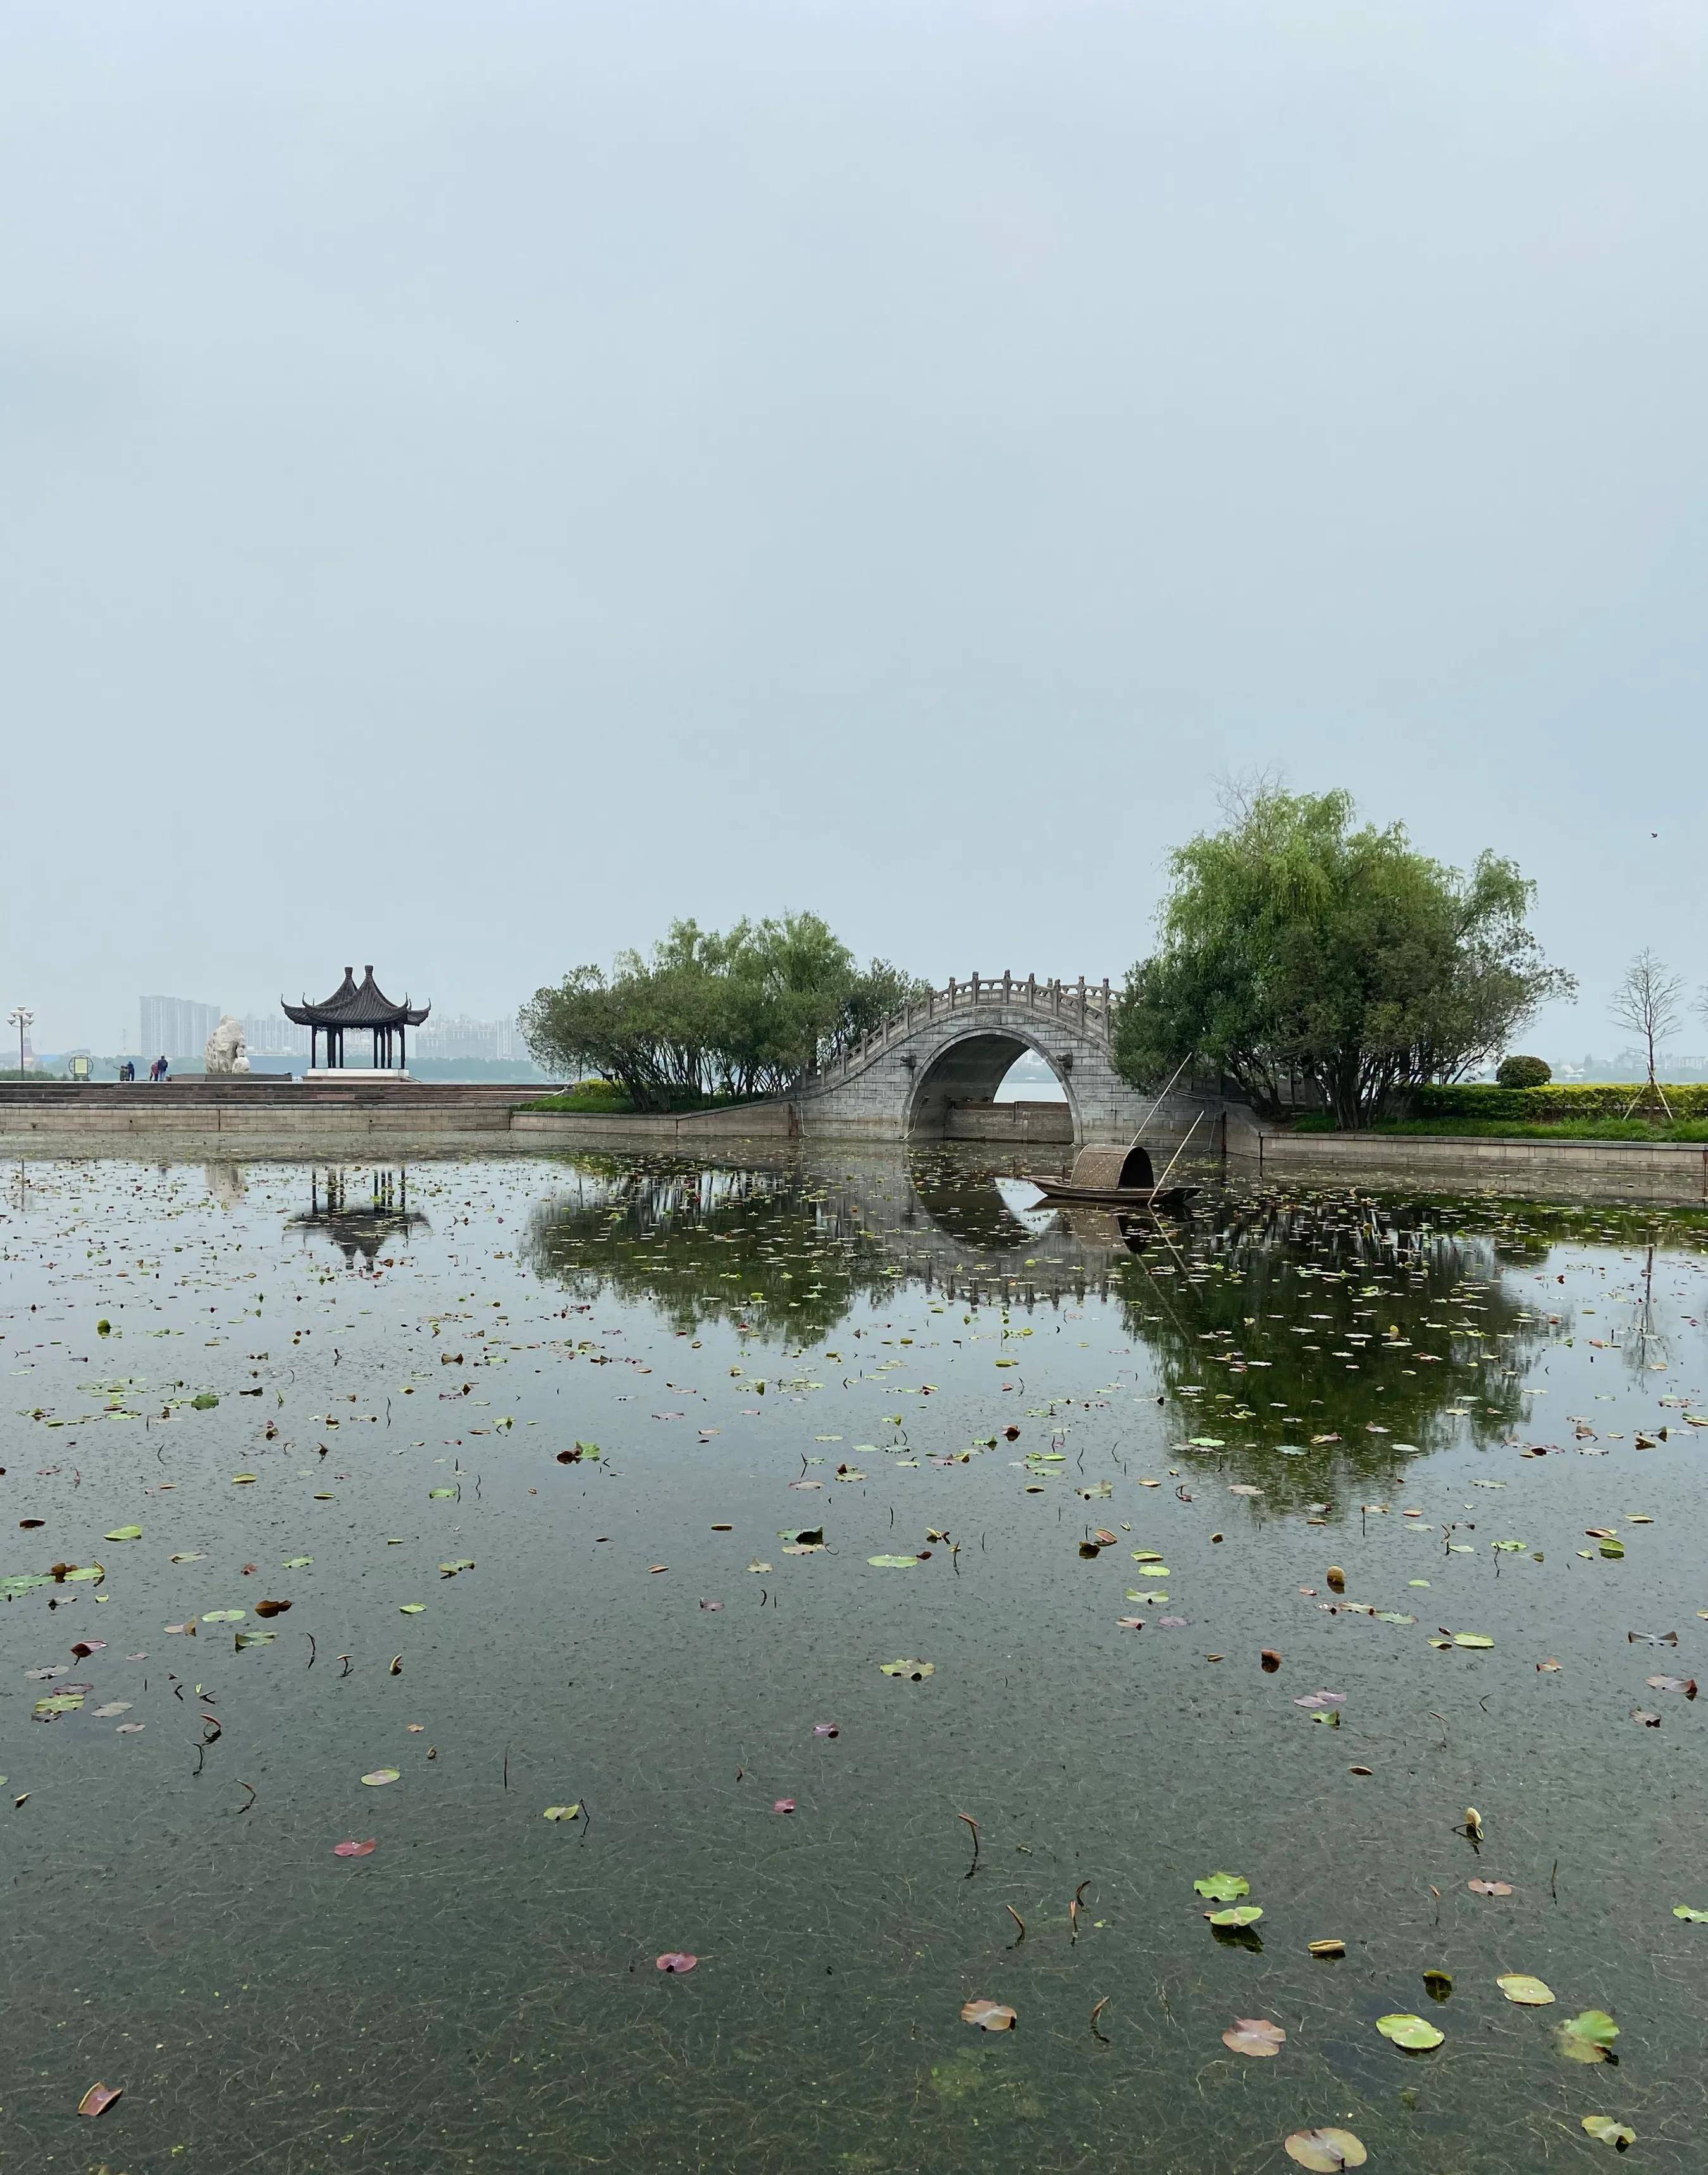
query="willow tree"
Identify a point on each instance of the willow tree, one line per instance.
(1294, 945)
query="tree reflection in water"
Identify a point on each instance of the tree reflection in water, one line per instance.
(769, 1250)
(1388, 1327)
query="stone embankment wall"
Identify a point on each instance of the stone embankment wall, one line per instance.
(1630, 1170)
(1001, 1122)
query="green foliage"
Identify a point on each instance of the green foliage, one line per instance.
(592, 1098)
(1524, 1072)
(1293, 945)
(1559, 1100)
(712, 1016)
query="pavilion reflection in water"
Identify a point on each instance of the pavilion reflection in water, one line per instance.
(360, 1211)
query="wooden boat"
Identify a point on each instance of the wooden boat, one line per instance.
(1166, 1198)
(1112, 1178)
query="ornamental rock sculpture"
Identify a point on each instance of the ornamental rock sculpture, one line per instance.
(225, 1051)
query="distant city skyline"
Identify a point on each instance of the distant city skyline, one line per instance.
(179, 1027)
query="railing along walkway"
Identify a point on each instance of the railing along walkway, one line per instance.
(1087, 1006)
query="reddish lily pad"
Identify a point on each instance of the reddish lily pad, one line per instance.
(1254, 2035)
(989, 2015)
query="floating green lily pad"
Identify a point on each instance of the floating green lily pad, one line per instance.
(1414, 2033)
(1587, 2036)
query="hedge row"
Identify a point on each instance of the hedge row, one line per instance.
(1536, 1106)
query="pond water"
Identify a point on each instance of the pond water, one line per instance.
(526, 1445)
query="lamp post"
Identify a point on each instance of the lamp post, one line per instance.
(20, 1018)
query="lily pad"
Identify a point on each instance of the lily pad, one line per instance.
(124, 1533)
(1414, 2033)
(1471, 1639)
(892, 1563)
(1241, 1914)
(1325, 2152)
(224, 1616)
(1588, 2036)
(1529, 1993)
(1222, 1887)
(563, 1812)
(411, 1607)
(915, 1672)
(989, 2015)
(1685, 1911)
(1608, 2131)
(381, 1775)
(1254, 2035)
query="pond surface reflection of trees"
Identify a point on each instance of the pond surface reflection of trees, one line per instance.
(1307, 1340)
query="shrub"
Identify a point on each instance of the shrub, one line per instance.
(1524, 1072)
(1539, 1106)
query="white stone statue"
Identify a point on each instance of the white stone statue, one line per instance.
(225, 1051)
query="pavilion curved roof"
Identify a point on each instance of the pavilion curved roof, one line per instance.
(355, 1004)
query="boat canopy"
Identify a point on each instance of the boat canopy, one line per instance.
(1111, 1169)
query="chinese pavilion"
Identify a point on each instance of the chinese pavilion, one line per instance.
(364, 1006)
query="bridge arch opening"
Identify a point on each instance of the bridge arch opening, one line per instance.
(969, 1072)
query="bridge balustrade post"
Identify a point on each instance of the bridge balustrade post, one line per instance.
(975, 989)
(1081, 1000)
(1007, 985)
(1032, 989)
(951, 993)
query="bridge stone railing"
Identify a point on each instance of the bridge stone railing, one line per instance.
(1089, 1005)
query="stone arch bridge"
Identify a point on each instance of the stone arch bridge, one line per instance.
(946, 1055)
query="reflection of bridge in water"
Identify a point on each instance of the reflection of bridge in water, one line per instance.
(959, 1219)
(358, 1221)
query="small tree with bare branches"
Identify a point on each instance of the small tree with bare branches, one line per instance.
(1647, 1001)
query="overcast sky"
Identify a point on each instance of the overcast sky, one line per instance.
(480, 480)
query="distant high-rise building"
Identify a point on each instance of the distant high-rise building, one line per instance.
(176, 1027)
(457, 1037)
(270, 1034)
